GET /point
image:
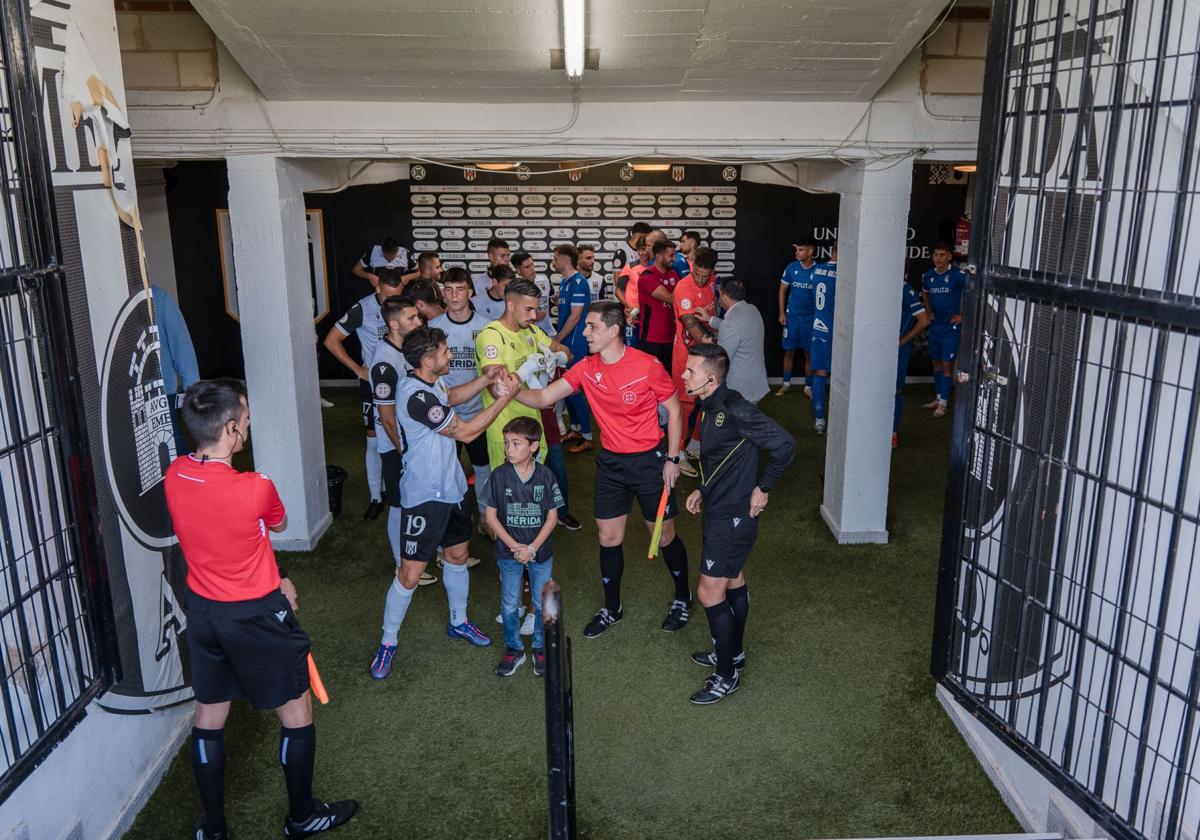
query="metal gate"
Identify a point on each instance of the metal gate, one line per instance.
(53, 646)
(1068, 612)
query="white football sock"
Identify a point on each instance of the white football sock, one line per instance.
(394, 519)
(374, 471)
(394, 610)
(457, 581)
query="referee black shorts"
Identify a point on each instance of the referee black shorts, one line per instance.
(393, 469)
(247, 649)
(621, 477)
(728, 540)
(368, 405)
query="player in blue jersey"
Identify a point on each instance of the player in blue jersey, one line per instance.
(942, 289)
(914, 318)
(574, 295)
(824, 288)
(796, 312)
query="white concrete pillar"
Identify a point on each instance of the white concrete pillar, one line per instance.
(279, 342)
(872, 228)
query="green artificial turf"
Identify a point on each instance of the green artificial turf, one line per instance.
(835, 732)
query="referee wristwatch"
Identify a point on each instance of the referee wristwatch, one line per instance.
(674, 459)
(282, 573)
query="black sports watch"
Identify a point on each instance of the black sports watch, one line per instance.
(282, 573)
(674, 459)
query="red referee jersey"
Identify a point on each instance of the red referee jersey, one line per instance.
(221, 517)
(624, 397)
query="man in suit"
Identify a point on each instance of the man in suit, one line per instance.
(740, 332)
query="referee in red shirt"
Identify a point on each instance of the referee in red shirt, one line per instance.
(624, 388)
(243, 637)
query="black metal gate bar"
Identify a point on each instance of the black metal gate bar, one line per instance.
(560, 719)
(55, 622)
(1064, 616)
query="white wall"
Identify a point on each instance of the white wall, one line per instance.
(171, 124)
(96, 780)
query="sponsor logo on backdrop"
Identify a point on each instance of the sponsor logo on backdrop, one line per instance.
(576, 212)
(417, 173)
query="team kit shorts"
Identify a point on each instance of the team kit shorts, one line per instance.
(797, 335)
(432, 525)
(253, 650)
(728, 540)
(622, 477)
(943, 343)
(368, 405)
(820, 353)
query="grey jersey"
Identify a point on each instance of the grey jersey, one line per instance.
(481, 282)
(598, 286)
(375, 259)
(490, 309)
(432, 472)
(460, 338)
(388, 367)
(366, 321)
(546, 289)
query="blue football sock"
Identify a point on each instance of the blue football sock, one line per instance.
(787, 377)
(943, 387)
(818, 398)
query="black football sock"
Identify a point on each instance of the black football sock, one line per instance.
(675, 556)
(208, 766)
(721, 626)
(297, 754)
(612, 566)
(739, 602)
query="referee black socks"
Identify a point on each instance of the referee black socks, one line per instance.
(722, 627)
(208, 766)
(297, 754)
(675, 556)
(612, 566)
(739, 602)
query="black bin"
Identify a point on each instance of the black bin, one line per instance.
(335, 476)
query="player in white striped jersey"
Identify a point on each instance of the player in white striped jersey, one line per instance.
(497, 254)
(597, 284)
(462, 324)
(365, 321)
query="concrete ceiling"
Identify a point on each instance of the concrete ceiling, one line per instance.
(499, 50)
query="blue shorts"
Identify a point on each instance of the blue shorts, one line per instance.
(797, 335)
(943, 342)
(902, 365)
(820, 353)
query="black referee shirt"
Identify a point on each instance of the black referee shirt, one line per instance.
(733, 429)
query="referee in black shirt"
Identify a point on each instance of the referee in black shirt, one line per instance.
(733, 495)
